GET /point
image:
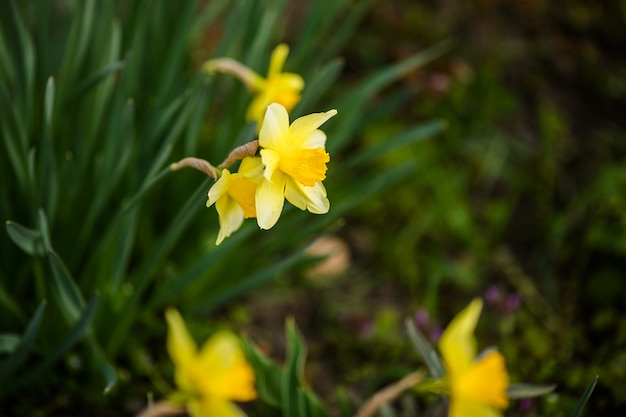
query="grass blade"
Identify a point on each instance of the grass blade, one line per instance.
(23, 348)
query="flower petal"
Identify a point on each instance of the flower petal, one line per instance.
(277, 60)
(214, 407)
(230, 216)
(270, 199)
(219, 189)
(465, 408)
(275, 128)
(485, 381)
(457, 344)
(312, 198)
(317, 139)
(303, 127)
(181, 347)
(225, 370)
(271, 160)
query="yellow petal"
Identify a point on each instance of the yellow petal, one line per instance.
(226, 372)
(464, 408)
(312, 198)
(270, 199)
(230, 216)
(275, 128)
(484, 382)
(304, 126)
(256, 109)
(214, 407)
(271, 160)
(251, 167)
(181, 348)
(457, 344)
(277, 60)
(220, 188)
(317, 139)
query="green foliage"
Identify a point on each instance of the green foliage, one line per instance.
(96, 99)
(285, 388)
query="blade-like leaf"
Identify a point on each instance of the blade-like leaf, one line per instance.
(29, 240)
(67, 293)
(8, 342)
(517, 391)
(22, 350)
(424, 348)
(583, 400)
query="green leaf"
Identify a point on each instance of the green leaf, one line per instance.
(424, 348)
(407, 137)
(21, 351)
(44, 230)
(8, 342)
(69, 298)
(293, 373)
(49, 102)
(583, 400)
(268, 375)
(79, 329)
(29, 240)
(517, 391)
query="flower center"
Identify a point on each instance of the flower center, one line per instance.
(485, 381)
(242, 190)
(307, 166)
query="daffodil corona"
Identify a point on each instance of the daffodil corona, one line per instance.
(476, 385)
(233, 196)
(295, 160)
(211, 378)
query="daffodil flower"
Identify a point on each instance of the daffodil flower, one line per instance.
(295, 164)
(278, 87)
(476, 385)
(211, 378)
(234, 196)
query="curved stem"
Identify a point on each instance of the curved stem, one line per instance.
(389, 393)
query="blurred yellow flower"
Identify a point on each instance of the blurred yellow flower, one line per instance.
(295, 164)
(477, 386)
(211, 378)
(234, 194)
(278, 87)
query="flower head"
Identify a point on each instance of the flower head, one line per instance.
(295, 164)
(234, 196)
(211, 378)
(477, 385)
(278, 87)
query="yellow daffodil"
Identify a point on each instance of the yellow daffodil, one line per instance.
(278, 87)
(211, 378)
(234, 196)
(476, 386)
(295, 164)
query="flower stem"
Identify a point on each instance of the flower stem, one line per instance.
(389, 393)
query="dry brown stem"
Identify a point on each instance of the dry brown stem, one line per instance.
(196, 163)
(389, 393)
(162, 409)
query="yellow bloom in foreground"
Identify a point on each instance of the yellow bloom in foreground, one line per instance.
(233, 196)
(212, 377)
(295, 164)
(278, 87)
(477, 386)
